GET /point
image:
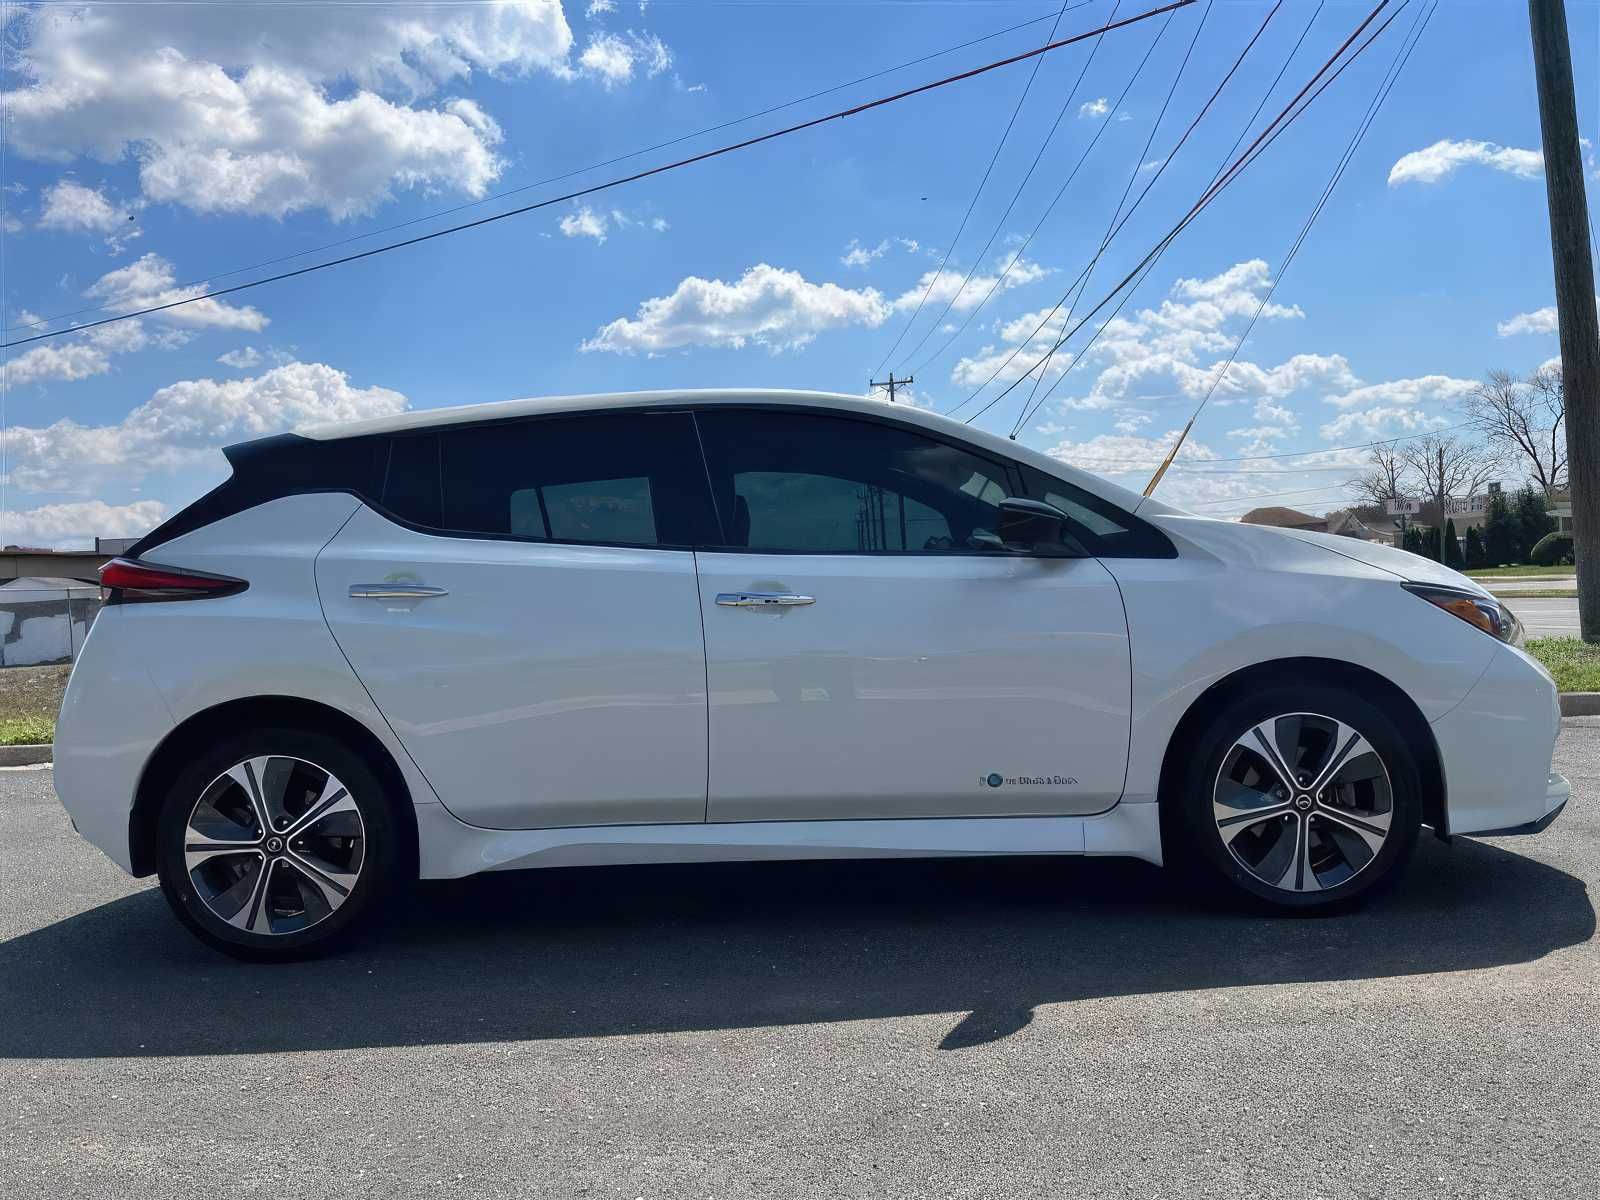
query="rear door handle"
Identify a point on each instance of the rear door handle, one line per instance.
(394, 591)
(763, 599)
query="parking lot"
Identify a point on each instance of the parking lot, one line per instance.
(959, 1028)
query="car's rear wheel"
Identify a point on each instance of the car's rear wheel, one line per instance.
(277, 843)
(1303, 797)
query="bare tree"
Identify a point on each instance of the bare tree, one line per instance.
(1387, 476)
(1524, 418)
(1446, 466)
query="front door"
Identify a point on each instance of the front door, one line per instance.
(872, 654)
(526, 617)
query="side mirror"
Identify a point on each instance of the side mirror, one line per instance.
(1034, 527)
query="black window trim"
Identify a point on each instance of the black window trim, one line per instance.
(215, 505)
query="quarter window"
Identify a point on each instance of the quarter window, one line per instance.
(631, 479)
(796, 482)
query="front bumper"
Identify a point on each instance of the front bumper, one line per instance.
(1556, 795)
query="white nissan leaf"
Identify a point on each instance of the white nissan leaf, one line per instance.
(697, 626)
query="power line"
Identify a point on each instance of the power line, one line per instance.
(445, 212)
(1385, 86)
(982, 183)
(1016, 194)
(600, 187)
(1082, 275)
(1138, 283)
(1263, 140)
(1049, 208)
(1133, 176)
(1144, 464)
(1266, 496)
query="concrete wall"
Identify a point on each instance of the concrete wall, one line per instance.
(43, 627)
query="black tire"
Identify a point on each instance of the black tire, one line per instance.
(380, 874)
(1205, 856)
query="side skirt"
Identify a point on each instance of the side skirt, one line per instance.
(451, 849)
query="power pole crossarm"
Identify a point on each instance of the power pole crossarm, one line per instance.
(892, 384)
(1574, 270)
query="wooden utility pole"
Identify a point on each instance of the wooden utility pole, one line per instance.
(1580, 330)
(892, 384)
(1441, 507)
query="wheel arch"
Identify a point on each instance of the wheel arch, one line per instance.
(296, 712)
(1368, 683)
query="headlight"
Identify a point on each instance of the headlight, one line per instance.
(1484, 612)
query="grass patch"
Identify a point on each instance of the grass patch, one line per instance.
(1513, 572)
(1574, 663)
(1535, 594)
(26, 731)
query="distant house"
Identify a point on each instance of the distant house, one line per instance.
(1342, 523)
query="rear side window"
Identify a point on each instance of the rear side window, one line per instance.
(630, 479)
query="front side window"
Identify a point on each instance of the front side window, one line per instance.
(819, 484)
(626, 479)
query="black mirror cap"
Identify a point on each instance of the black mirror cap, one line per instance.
(1037, 528)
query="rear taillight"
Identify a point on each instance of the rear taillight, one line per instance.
(131, 581)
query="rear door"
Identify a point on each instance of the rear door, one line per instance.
(524, 613)
(871, 651)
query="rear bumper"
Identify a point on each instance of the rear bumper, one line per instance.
(1556, 795)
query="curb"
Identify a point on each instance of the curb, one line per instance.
(43, 752)
(1580, 704)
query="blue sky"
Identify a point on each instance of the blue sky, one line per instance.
(149, 145)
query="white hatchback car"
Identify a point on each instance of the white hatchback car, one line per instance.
(691, 626)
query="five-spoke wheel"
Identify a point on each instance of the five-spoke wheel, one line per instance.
(276, 842)
(1302, 795)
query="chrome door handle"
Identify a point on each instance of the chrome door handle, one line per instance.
(762, 599)
(394, 591)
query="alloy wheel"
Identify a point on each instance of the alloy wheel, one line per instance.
(274, 845)
(1303, 802)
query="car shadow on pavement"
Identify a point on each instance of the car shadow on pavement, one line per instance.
(576, 953)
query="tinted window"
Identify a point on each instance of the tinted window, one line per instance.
(823, 484)
(633, 479)
(1104, 529)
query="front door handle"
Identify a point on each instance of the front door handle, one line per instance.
(394, 591)
(763, 599)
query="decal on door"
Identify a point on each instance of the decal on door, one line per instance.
(994, 779)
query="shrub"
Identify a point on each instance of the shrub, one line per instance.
(1552, 550)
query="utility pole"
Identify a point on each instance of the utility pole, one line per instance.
(1441, 507)
(1574, 270)
(892, 384)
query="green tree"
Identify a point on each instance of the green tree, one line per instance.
(1420, 539)
(1452, 545)
(1499, 532)
(1474, 548)
(1533, 519)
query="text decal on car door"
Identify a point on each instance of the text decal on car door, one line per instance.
(994, 779)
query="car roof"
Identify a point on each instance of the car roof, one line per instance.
(770, 397)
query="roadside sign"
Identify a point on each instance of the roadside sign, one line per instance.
(1403, 508)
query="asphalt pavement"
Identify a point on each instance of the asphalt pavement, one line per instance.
(1001, 1028)
(1547, 616)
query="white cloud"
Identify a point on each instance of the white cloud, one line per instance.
(1097, 107)
(612, 58)
(1381, 421)
(250, 108)
(767, 306)
(945, 285)
(79, 522)
(241, 359)
(1441, 159)
(599, 8)
(184, 422)
(80, 356)
(1541, 320)
(659, 224)
(584, 223)
(1436, 388)
(72, 207)
(857, 255)
(151, 280)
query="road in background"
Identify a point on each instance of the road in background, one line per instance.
(1002, 1028)
(1547, 616)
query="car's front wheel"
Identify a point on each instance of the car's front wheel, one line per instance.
(1302, 796)
(277, 843)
